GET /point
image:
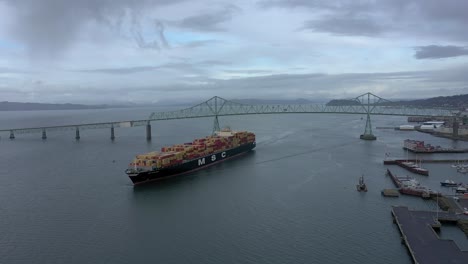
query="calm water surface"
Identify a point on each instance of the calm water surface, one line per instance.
(292, 200)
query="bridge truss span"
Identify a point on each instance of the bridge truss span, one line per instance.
(367, 104)
(218, 106)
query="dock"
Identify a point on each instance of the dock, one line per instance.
(390, 192)
(437, 150)
(394, 161)
(418, 146)
(413, 188)
(423, 243)
(409, 165)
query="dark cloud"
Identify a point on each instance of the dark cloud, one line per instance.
(123, 70)
(348, 5)
(49, 27)
(438, 52)
(361, 26)
(436, 18)
(413, 84)
(200, 43)
(13, 70)
(208, 21)
(139, 69)
(213, 63)
(248, 71)
(178, 66)
(142, 42)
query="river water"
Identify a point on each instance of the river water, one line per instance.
(292, 200)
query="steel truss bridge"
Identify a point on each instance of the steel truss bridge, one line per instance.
(367, 104)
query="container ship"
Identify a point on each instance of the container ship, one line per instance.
(183, 158)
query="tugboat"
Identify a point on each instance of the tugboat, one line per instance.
(361, 187)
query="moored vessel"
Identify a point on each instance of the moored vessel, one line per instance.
(461, 189)
(413, 167)
(410, 186)
(418, 146)
(449, 183)
(183, 158)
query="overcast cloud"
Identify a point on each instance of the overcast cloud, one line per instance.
(437, 52)
(127, 51)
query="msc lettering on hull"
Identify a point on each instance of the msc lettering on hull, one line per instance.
(202, 161)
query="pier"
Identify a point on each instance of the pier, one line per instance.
(408, 165)
(418, 146)
(423, 243)
(406, 185)
(394, 161)
(390, 192)
(436, 150)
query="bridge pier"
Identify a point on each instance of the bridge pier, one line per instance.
(368, 131)
(216, 125)
(455, 127)
(112, 133)
(12, 135)
(148, 131)
(77, 134)
(44, 135)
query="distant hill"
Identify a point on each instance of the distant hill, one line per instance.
(338, 102)
(14, 106)
(455, 101)
(276, 101)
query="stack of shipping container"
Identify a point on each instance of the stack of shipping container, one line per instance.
(179, 153)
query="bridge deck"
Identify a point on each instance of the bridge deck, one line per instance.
(365, 104)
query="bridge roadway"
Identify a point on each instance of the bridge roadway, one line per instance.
(366, 104)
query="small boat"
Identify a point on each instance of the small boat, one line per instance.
(461, 189)
(361, 187)
(449, 183)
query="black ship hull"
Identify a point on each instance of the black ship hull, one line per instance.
(446, 184)
(192, 165)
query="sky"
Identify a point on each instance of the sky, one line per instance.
(156, 51)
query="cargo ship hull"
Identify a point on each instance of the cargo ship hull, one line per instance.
(188, 166)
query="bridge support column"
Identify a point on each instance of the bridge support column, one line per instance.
(216, 125)
(44, 135)
(112, 133)
(148, 131)
(455, 127)
(368, 131)
(77, 134)
(12, 135)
